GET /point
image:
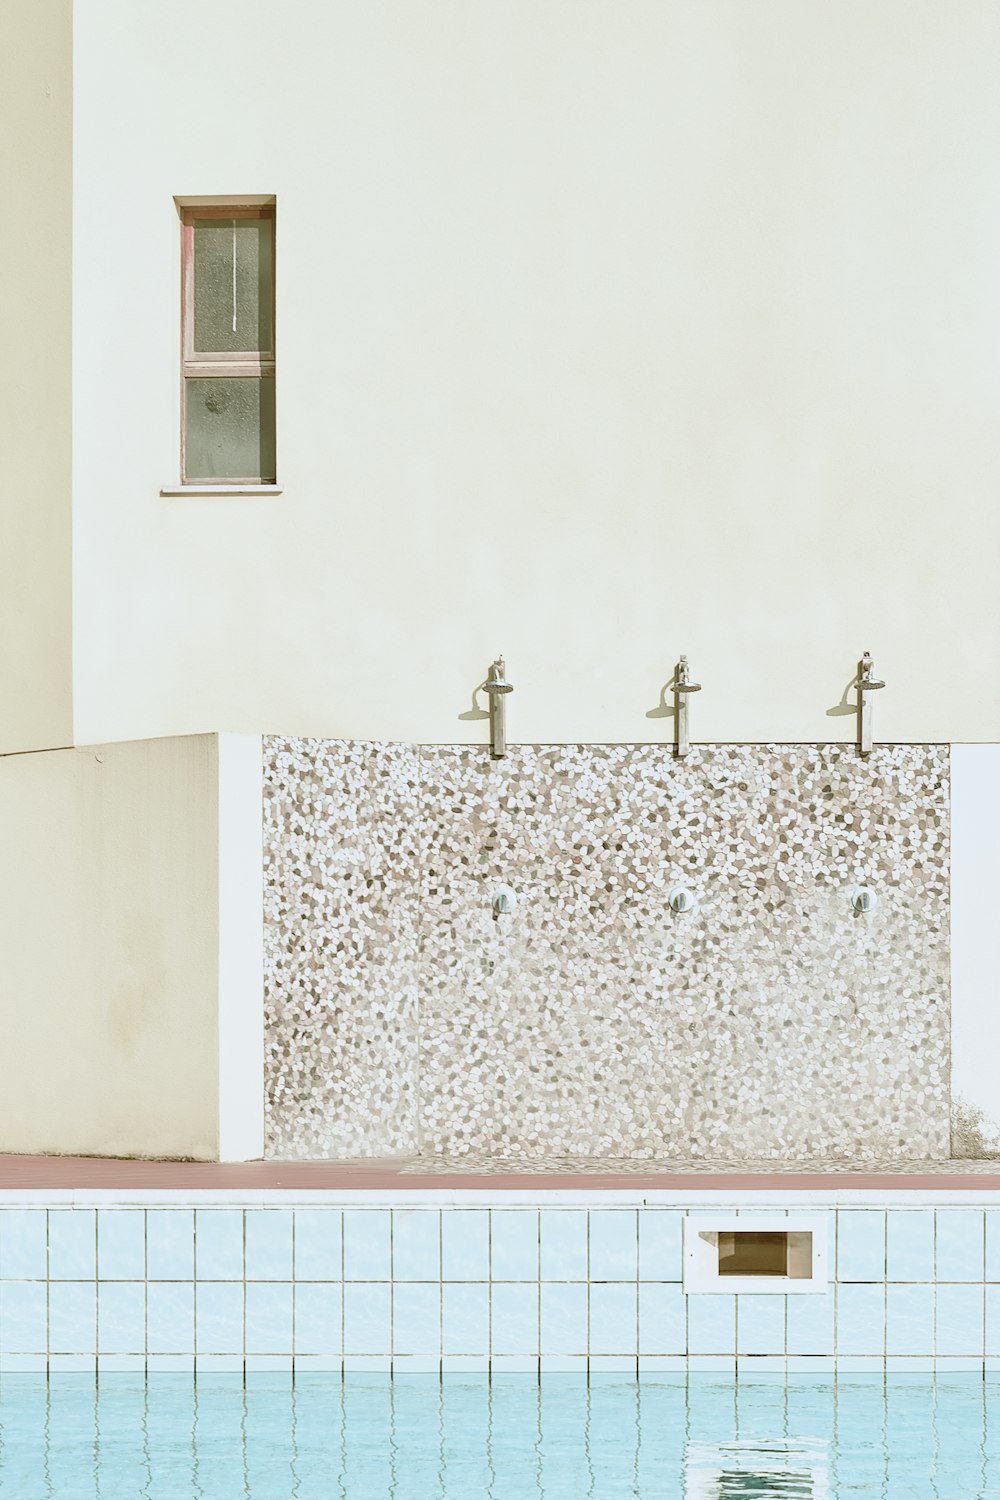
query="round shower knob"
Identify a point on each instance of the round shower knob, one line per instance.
(680, 899)
(863, 899)
(504, 901)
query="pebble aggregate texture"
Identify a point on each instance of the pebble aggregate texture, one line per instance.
(771, 1022)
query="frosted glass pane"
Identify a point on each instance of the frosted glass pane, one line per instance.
(230, 429)
(232, 312)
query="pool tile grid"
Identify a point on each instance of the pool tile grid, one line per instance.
(513, 1288)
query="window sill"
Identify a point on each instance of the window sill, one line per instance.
(221, 489)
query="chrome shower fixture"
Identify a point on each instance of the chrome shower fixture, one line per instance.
(682, 686)
(498, 687)
(681, 899)
(867, 683)
(863, 899)
(504, 902)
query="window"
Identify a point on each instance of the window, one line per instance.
(227, 421)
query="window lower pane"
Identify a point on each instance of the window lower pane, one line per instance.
(229, 429)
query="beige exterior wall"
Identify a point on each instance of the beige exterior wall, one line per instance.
(975, 983)
(110, 931)
(36, 121)
(605, 333)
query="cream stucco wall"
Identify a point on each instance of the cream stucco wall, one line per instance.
(975, 982)
(605, 332)
(36, 112)
(129, 949)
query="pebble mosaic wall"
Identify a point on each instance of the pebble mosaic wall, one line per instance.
(403, 1018)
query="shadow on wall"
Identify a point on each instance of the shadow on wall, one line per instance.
(847, 704)
(476, 711)
(663, 709)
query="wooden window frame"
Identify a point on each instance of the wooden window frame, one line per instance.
(256, 363)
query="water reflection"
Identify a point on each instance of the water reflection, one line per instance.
(795, 1469)
(417, 1438)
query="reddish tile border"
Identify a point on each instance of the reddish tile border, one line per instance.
(61, 1173)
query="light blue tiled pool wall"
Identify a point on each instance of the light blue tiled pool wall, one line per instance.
(511, 1288)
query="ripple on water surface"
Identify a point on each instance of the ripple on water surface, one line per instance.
(368, 1437)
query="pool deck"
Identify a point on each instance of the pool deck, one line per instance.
(61, 1173)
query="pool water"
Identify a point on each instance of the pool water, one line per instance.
(369, 1437)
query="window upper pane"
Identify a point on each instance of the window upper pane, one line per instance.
(229, 429)
(233, 285)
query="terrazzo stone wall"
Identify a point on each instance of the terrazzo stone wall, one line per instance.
(770, 1022)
